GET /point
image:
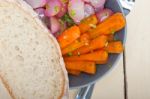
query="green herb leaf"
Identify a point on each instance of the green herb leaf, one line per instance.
(69, 54)
(72, 13)
(56, 8)
(67, 19)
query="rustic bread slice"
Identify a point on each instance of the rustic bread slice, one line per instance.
(31, 66)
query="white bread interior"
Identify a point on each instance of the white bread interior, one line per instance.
(31, 66)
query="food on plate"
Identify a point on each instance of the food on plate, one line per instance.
(88, 10)
(83, 40)
(31, 66)
(76, 10)
(95, 44)
(114, 47)
(87, 23)
(110, 37)
(74, 72)
(96, 56)
(104, 14)
(54, 24)
(85, 30)
(98, 4)
(83, 66)
(114, 23)
(53, 7)
(68, 36)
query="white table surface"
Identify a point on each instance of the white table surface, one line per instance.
(136, 62)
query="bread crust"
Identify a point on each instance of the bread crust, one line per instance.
(7, 87)
(27, 9)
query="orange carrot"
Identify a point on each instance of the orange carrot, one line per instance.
(74, 72)
(114, 47)
(97, 43)
(110, 37)
(114, 23)
(97, 56)
(68, 36)
(84, 39)
(88, 67)
(87, 23)
(101, 62)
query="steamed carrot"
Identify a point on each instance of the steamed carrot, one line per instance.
(97, 56)
(88, 67)
(101, 62)
(74, 72)
(114, 47)
(84, 39)
(87, 23)
(111, 25)
(68, 36)
(97, 43)
(110, 37)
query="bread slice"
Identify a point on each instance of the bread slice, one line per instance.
(31, 66)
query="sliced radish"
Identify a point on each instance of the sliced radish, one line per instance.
(87, 1)
(40, 12)
(54, 25)
(88, 10)
(36, 3)
(98, 4)
(104, 14)
(76, 10)
(52, 7)
(62, 11)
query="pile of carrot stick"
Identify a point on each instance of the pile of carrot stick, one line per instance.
(83, 46)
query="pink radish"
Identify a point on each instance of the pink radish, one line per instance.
(41, 14)
(87, 1)
(76, 10)
(98, 4)
(54, 25)
(88, 10)
(104, 14)
(62, 11)
(52, 7)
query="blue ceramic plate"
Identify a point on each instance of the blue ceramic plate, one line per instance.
(85, 79)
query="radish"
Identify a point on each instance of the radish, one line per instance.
(76, 10)
(88, 10)
(52, 7)
(104, 14)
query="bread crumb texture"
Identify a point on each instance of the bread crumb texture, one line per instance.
(29, 60)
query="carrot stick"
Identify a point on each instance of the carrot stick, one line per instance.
(68, 36)
(114, 23)
(88, 23)
(114, 47)
(97, 43)
(96, 56)
(110, 37)
(74, 72)
(101, 62)
(84, 39)
(88, 67)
